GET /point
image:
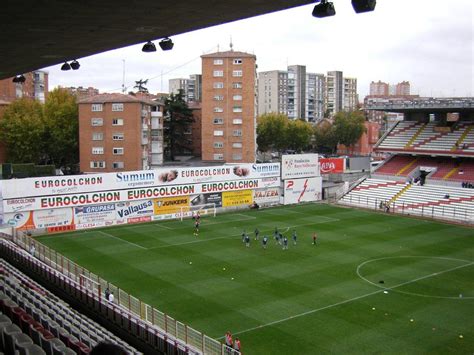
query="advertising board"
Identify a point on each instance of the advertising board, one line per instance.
(132, 211)
(237, 198)
(95, 214)
(297, 166)
(331, 165)
(170, 204)
(302, 190)
(267, 196)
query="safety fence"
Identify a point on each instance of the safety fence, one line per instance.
(194, 339)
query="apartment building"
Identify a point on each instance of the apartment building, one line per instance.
(228, 107)
(119, 132)
(191, 87)
(341, 93)
(35, 87)
(272, 91)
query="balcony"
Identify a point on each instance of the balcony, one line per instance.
(156, 114)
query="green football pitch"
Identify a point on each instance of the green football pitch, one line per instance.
(374, 283)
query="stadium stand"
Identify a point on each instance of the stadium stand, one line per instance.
(39, 317)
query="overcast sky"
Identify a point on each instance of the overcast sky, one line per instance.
(427, 42)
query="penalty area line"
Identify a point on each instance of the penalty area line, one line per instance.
(349, 300)
(122, 240)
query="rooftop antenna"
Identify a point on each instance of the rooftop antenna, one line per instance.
(217, 48)
(231, 45)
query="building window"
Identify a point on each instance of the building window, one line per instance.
(236, 145)
(118, 165)
(237, 121)
(237, 109)
(218, 133)
(218, 145)
(218, 120)
(219, 156)
(118, 136)
(218, 97)
(97, 150)
(237, 73)
(96, 107)
(218, 61)
(97, 121)
(117, 107)
(97, 136)
(237, 156)
(237, 133)
(237, 85)
(97, 164)
(218, 73)
(218, 85)
(117, 122)
(237, 97)
(117, 151)
(238, 61)
(218, 109)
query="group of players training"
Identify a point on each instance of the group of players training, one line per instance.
(280, 239)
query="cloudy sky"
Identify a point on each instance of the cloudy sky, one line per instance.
(427, 42)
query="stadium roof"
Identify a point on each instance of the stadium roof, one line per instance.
(37, 34)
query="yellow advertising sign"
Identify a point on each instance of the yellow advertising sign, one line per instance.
(237, 198)
(169, 205)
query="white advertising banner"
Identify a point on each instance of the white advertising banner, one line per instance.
(302, 190)
(95, 214)
(106, 197)
(264, 196)
(299, 166)
(74, 184)
(133, 209)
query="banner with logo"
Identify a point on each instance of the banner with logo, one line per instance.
(266, 196)
(237, 198)
(331, 165)
(133, 211)
(171, 205)
(97, 214)
(299, 166)
(74, 184)
(302, 190)
(206, 199)
(105, 197)
(58, 217)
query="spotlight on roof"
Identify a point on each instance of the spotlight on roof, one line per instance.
(19, 79)
(324, 9)
(363, 5)
(149, 47)
(65, 66)
(166, 44)
(75, 65)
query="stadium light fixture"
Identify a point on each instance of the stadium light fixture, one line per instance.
(75, 65)
(149, 47)
(19, 79)
(361, 6)
(65, 66)
(166, 44)
(324, 9)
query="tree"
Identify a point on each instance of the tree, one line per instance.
(61, 119)
(325, 137)
(349, 127)
(298, 135)
(22, 131)
(271, 131)
(178, 119)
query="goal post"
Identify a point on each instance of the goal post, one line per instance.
(208, 209)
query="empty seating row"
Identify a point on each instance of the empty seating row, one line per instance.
(56, 317)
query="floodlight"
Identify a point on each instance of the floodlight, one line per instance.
(363, 5)
(324, 9)
(149, 47)
(166, 44)
(66, 66)
(75, 65)
(19, 79)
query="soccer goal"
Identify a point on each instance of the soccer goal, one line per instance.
(208, 209)
(90, 284)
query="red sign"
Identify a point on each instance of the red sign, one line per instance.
(139, 219)
(331, 165)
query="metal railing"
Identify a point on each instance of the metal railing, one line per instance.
(200, 342)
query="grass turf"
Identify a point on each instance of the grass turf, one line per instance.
(308, 299)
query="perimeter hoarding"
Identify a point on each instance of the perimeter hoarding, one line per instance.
(332, 165)
(134, 211)
(74, 184)
(96, 214)
(299, 166)
(302, 190)
(267, 196)
(171, 205)
(93, 198)
(237, 198)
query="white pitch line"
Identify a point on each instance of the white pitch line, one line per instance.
(159, 225)
(122, 240)
(349, 300)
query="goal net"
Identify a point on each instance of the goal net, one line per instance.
(208, 209)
